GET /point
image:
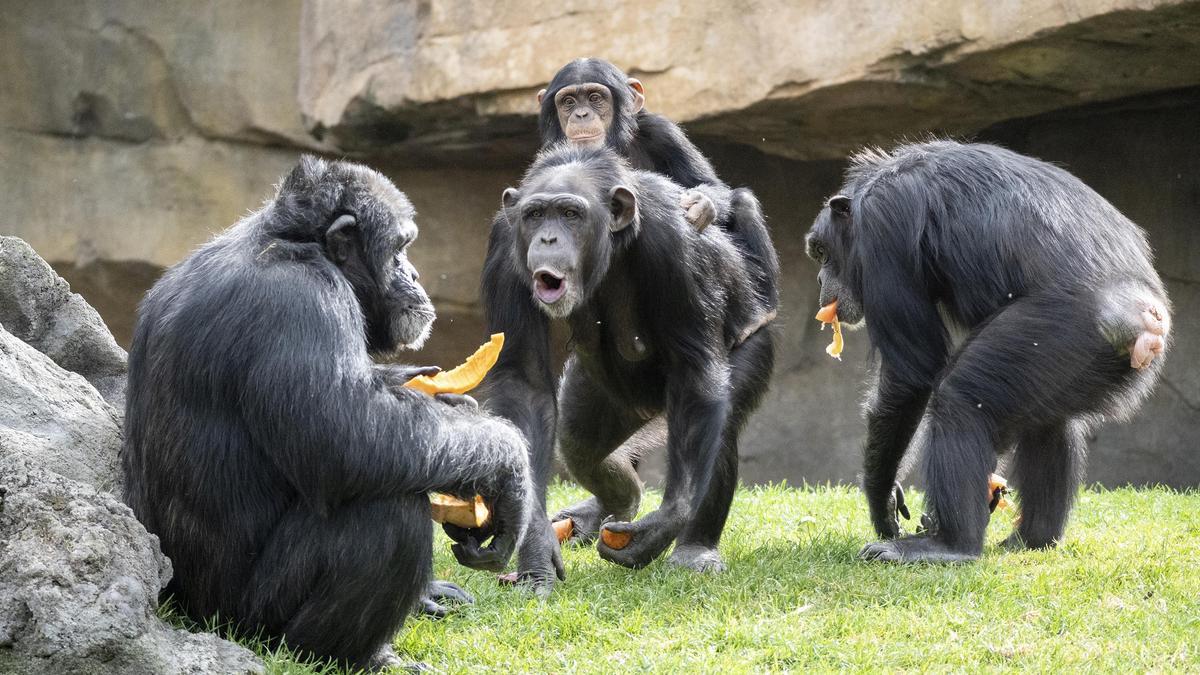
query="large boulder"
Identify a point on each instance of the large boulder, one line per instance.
(54, 418)
(79, 585)
(38, 307)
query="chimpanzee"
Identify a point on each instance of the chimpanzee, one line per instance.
(284, 472)
(1062, 313)
(663, 318)
(591, 102)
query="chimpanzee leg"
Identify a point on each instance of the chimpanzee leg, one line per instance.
(1048, 472)
(750, 372)
(369, 561)
(1037, 362)
(591, 427)
(697, 408)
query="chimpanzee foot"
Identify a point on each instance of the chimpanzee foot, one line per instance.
(1152, 340)
(649, 537)
(915, 550)
(386, 659)
(1016, 542)
(586, 517)
(439, 594)
(698, 559)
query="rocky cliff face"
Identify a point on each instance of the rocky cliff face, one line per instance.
(805, 80)
(137, 131)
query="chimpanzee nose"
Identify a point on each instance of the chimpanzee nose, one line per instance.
(415, 274)
(582, 112)
(549, 239)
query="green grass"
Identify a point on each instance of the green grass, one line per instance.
(1121, 593)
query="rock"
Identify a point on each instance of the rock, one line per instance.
(79, 585)
(803, 80)
(38, 307)
(137, 71)
(54, 418)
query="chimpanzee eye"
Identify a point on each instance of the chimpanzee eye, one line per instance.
(595, 98)
(536, 213)
(570, 213)
(568, 101)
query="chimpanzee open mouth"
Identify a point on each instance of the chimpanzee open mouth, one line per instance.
(548, 286)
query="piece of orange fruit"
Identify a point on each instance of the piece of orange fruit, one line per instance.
(465, 377)
(563, 529)
(615, 540)
(828, 314)
(997, 488)
(463, 513)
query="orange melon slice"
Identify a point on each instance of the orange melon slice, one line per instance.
(450, 509)
(615, 540)
(828, 314)
(563, 529)
(465, 377)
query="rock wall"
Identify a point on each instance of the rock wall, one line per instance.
(810, 80)
(114, 173)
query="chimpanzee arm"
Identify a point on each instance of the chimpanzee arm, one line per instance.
(892, 418)
(520, 387)
(908, 332)
(669, 152)
(334, 429)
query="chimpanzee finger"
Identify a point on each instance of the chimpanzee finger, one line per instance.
(901, 507)
(457, 400)
(560, 570)
(461, 534)
(485, 559)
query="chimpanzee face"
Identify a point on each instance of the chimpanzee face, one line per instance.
(369, 242)
(587, 108)
(585, 112)
(828, 243)
(564, 222)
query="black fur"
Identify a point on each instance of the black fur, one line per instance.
(657, 326)
(653, 143)
(1047, 281)
(284, 472)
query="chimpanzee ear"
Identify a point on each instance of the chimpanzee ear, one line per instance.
(639, 93)
(339, 238)
(624, 207)
(541, 95)
(510, 197)
(840, 205)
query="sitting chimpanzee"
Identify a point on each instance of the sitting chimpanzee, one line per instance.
(284, 472)
(663, 318)
(1062, 312)
(591, 103)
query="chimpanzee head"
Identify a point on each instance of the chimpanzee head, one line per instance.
(590, 103)
(570, 212)
(830, 244)
(365, 226)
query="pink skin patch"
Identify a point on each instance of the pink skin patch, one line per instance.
(548, 286)
(1152, 341)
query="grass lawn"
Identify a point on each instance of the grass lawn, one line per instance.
(1121, 593)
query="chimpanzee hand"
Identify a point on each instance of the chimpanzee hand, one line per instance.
(539, 559)
(886, 516)
(394, 375)
(700, 210)
(471, 551)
